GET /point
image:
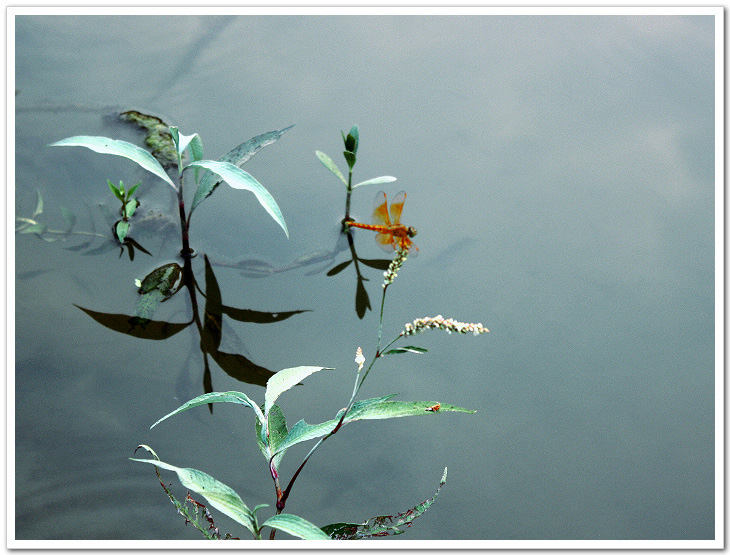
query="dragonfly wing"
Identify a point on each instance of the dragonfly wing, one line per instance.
(396, 207)
(385, 241)
(380, 210)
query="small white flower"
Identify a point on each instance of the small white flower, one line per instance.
(359, 359)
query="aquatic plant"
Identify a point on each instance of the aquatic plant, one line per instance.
(164, 282)
(272, 434)
(275, 438)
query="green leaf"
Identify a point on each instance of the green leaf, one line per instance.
(355, 134)
(218, 494)
(296, 526)
(377, 181)
(277, 433)
(163, 279)
(378, 408)
(381, 525)
(130, 207)
(124, 149)
(238, 157)
(350, 157)
(397, 409)
(243, 152)
(116, 192)
(330, 165)
(133, 189)
(121, 229)
(182, 142)
(158, 286)
(239, 179)
(408, 349)
(286, 379)
(301, 431)
(215, 397)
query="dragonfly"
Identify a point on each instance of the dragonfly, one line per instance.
(392, 235)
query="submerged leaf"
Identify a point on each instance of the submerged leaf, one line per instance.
(35, 228)
(39, 206)
(157, 136)
(69, 217)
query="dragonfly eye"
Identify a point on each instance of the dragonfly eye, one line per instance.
(412, 232)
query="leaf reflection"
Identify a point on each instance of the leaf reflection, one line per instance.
(163, 283)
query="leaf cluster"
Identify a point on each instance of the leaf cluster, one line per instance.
(274, 439)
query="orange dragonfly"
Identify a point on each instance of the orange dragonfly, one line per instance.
(391, 233)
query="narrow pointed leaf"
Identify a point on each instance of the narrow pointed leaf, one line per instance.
(239, 179)
(216, 397)
(330, 165)
(376, 181)
(218, 494)
(133, 189)
(116, 192)
(238, 157)
(397, 409)
(277, 433)
(296, 526)
(124, 149)
(381, 525)
(301, 431)
(243, 152)
(409, 349)
(285, 380)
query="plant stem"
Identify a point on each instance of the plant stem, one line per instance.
(186, 251)
(349, 196)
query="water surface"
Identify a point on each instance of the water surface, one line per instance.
(560, 173)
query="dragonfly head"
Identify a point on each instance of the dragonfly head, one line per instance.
(412, 231)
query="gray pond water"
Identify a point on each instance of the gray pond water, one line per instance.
(560, 172)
